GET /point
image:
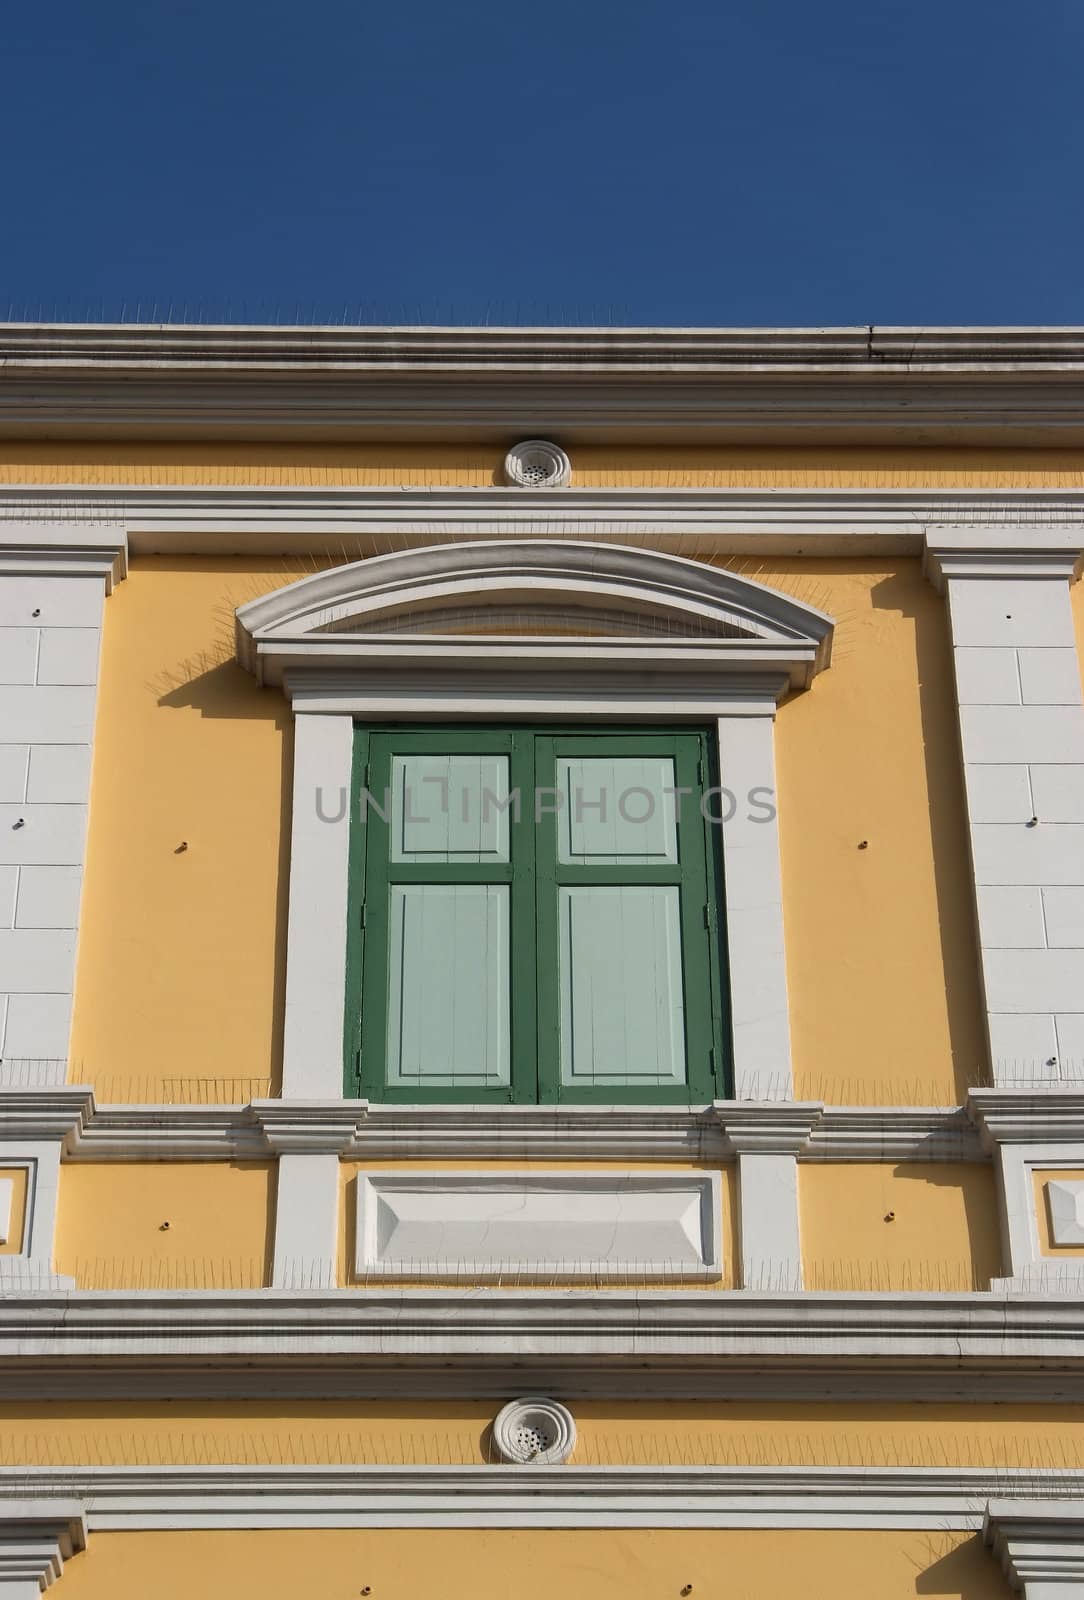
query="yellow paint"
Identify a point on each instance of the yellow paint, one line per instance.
(399, 1431)
(913, 1225)
(593, 466)
(179, 983)
(1039, 1180)
(17, 1224)
(881, 961)
(111, 1231)
(535, 1564)
(348, 1208)
(181, 953)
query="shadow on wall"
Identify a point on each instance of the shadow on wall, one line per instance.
(948, 824)
(974, 1184)
(966, 1570)
(226, 690)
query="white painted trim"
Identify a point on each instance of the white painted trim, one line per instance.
(62, 549)
(1029, 1269)
(361, 1131)
(128, 1499)
(362, 521)
(771, 1247)
(37, 1536)
(752, 903)
(306, 1221)
(40, 1159)
(575, 1225)
(312, 1066)
(1039, 1543)
(541, 1417)
(7, 1198)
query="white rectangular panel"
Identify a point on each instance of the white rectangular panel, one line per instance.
(538, 1224)
(7, 1195)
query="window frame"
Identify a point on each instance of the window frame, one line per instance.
(534, 876)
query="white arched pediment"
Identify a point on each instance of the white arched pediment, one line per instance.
(532, 607)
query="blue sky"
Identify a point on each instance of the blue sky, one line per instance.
(659, 161)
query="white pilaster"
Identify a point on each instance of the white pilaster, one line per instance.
(312, 1067)
(1021, 716)
(766, 1139)
(753, 900)
(36, 1538)
(53, 583)
(1040, 1544)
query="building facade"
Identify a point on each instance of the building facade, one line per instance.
(542, 963)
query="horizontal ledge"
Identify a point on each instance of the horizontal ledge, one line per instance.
(128, 1498)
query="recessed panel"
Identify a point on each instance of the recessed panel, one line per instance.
(617, 810)
(449, 808)
(448, 1007)
(622, 1022)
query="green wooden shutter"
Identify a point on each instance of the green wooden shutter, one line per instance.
(533, 916)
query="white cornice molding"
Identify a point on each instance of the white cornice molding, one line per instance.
(572, 384)
(649, 613)
(37, 1535)
(674, 1337)
(779, 1127)
(356, 521)
(1002, 553)
(63, 550)
(1049, 1114)
(361, 1131)
(126, 1499)
(1039, 1543)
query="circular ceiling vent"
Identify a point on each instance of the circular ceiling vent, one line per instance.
(535, 1432)
(537, 464)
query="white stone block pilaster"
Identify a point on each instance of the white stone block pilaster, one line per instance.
(1021, 719)
(53, 584)
(766, 1139)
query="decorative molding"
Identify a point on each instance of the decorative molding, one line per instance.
(183, 519)
(114, 1132)
(1039, 1543)
(62, 550)
(535, 1432)
(1047, 1114)
(538, 464)
(515, 1226)
(779, 1127)
(856, 384)
(127, 1499)
(7, 1197)
(710, 621)
(564, 1336)
(1002, 552)
(1065, 1201)
(42, 1112)
(37, 1536)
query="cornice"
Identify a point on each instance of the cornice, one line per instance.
(780, 1127)
(1038, 1542)
(1002, 553)
(37, 1535)
(926, 385)
(688, 1338)
(120, 1499)
(373, 1132)
(356, 521)
(1043, 1114)
(63, 550)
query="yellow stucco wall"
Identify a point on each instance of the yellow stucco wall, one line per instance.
(623, 1432)
(17, 1222)
(910, 1225)
(111, 1216)
(593, 466)
(180, 973)
(533, 1564)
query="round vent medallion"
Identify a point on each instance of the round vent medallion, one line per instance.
(537, 464)
(535, 1432)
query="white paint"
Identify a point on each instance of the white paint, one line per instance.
(1001, 735)
(1010, 917)
(316, 930)
(769, 1221)
(18, 654)
(40, 1159)
(538, 1224)
(13, 764)
(1065, 1200)
(987, 677)
(36, 1538)
(306, 1221)
(1000, 794)
(59, 774)
(1058, 793)
(121, 1499)
(48, 897)
(38, 1026)
(7, 1198)
(1049, 677)
(535, 1431)
(1063, 911)
(753, 901)
(69, 655)
(1033, 980)
(1040, 1545)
